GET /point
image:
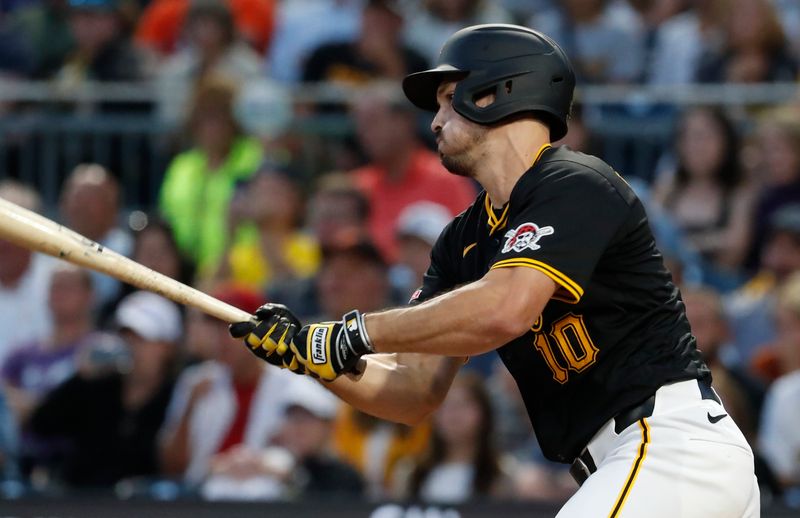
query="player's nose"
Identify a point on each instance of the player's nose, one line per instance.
(436, 123)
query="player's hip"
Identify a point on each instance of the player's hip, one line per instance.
(679, 417)
(682, 456)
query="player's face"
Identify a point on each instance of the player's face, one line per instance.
(458, 139)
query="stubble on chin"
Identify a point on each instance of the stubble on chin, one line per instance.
(464, 162)
(457, 165)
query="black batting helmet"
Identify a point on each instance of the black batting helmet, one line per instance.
(526, 70)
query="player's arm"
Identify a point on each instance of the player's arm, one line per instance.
(407, 386)
(473, 319)
(403, 388)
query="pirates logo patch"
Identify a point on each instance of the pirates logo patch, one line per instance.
(525, 236)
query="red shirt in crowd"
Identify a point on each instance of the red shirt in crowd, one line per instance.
(162, 21)
(424, 180)
(244, 398)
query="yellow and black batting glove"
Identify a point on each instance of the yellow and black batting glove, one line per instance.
(330, 349)
(270, 335)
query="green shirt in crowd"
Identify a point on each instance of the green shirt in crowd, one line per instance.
(195, 199)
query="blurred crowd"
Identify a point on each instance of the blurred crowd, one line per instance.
(108, 388)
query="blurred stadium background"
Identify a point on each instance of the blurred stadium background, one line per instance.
(261, 150)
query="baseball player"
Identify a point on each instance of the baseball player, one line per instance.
(553, 266)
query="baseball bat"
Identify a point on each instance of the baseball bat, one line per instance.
(30, 230)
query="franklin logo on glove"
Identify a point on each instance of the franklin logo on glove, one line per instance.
(318, 345)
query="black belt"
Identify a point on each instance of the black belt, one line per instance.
(584, 464)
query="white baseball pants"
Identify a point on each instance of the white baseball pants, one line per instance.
(684, 461)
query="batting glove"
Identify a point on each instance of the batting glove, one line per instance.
(269, 337)
(329, 349)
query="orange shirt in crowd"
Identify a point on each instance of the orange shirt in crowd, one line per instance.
(375, 450)
(161, 23)
(424, 180)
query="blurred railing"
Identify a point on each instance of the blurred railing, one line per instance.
(46, 129)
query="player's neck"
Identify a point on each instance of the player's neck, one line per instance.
(510, 152)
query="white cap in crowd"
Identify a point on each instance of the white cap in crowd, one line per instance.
(424, 220)
(150, 316)
(312, 397)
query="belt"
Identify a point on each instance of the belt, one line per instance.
(584, 465)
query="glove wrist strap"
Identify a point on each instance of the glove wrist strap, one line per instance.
(356, 333)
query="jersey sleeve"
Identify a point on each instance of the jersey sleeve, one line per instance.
(562, 226)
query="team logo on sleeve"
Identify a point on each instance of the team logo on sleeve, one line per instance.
(525, 236)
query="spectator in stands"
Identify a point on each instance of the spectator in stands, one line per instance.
(154, 246)
(39, 34)
(755, 48)
(35, 368)
(90, 205)
(299, 463)
(778, 439)
(306, 434)
(751, 309)
(273, 249)
(24, 280)
(102, 51)
(162, 22)
(461, 462)
(199, 183)
(400, 170)
(305, 25)
(219, 404)
(212, 49)
(651, 16)
(375, 447)
(337, 214)
(680, 41)
(377, 53)
(428, 25)
(600, 37)
(777, 170)
(418, 228)
(111, 410)
(706, 195)
(354, 274)
(336, 208)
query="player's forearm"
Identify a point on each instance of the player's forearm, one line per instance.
(401, 388)
(473, 319)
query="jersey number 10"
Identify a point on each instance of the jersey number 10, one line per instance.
(572, 339)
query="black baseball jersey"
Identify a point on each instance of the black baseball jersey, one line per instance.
(614, 331)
